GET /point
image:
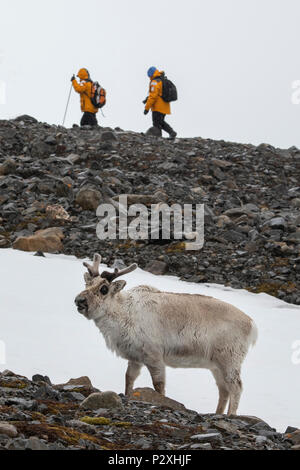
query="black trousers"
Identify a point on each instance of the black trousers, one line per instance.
(158, 120)
(89, 119)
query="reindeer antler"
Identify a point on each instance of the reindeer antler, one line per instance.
(93, 269)
(111, 276)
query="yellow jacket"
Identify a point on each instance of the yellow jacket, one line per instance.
(155, 101)
(84, 88)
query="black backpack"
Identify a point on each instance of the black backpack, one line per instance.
(169, 90)
(98, 97)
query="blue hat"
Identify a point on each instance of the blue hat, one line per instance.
(151, 71)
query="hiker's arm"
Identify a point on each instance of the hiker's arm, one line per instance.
(79, 87)
(153, 95)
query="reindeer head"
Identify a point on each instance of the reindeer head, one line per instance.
(94, 301)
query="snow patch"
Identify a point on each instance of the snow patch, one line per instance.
(43, 333)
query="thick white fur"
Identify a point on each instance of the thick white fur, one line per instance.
(158, 329)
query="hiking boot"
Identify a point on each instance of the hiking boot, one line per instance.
(173, 135)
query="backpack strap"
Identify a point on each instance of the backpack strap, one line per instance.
(159, 78)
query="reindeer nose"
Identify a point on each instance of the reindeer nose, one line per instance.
(81, 302)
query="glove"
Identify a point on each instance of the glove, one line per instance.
(145, 100)
(146, 111)
(73, 78)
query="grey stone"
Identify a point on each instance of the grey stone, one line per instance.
(101, 400)
(210, 437)
(206, 446)
(8, 429)
(38, 377)
(34, 443)
(108, 136)
(88, 198)
(153, 132)
(157, 267)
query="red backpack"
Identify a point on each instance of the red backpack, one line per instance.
(98, 97)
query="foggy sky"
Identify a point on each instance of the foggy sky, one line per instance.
(233, 61)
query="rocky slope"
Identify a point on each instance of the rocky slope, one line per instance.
(54, 178)
(36, 415)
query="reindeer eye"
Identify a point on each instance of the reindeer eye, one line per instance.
(104, 290)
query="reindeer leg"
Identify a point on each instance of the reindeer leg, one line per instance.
(133, 371)
(223, 391)
(235, 393)
(158, 375)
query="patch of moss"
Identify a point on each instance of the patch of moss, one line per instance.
(35, 415)
(272, 288)
(122, 424)
(177, 248)
(100, 421)
(265, 287)
(67, 435)
(55, 408)
(127, 245)
(13, 384)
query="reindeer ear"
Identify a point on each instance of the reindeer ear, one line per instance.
(117, 286)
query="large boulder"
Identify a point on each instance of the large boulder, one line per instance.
(153, 132)
(157, 267)
(294, 437)
(149, 395)
(8, 429)
(101, 400)
(84, 381)
(26, 118)
(7, 167)
(88, 198)
(48, 240)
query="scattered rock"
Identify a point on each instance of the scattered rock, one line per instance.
(156, 267)
(8, 167)
(26, 119)
(153, 132)
(57, 212)
(101, 400)
(48, 241)
(88, 198)
(84, 381)
(34, 443)
(108, 136)
(41, 378)
(56, 421)
(251, 214)
(149, 395)
(210, 437)
(8, 429)
(294, 437)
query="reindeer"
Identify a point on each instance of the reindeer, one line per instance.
(157, 329)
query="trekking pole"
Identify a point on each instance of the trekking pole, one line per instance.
(67, 105)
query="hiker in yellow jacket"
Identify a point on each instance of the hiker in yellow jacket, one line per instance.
(158, 106)
(84, 88)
